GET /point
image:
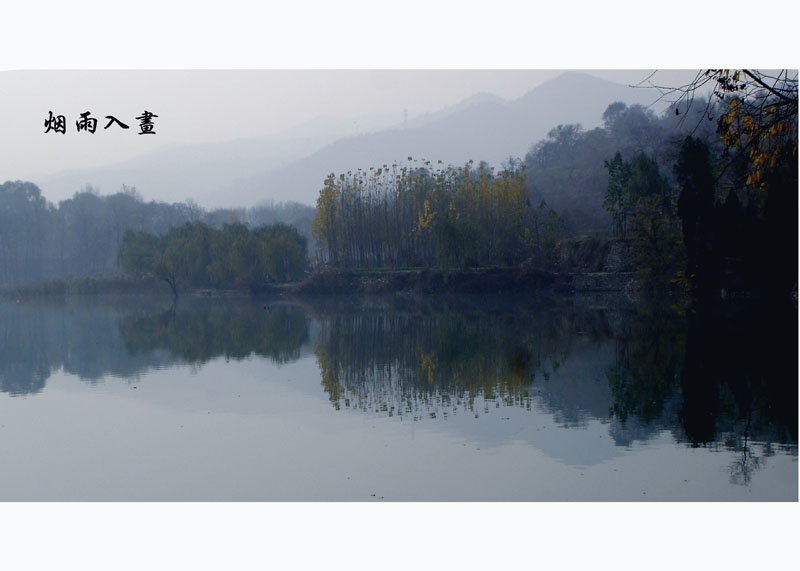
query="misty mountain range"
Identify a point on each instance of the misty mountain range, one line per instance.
(293, 165)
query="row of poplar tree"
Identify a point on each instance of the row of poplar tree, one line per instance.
(421, 215)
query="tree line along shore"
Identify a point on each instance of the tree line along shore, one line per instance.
(700, 200)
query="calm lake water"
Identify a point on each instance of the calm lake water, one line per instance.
(448, 398)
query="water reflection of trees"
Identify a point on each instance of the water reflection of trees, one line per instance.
(37, 339)
(721, 376)
(649, 358)
(200, 333)
(740, 373)
(93, 338)
(423, 361)
(24, 363)
(732, 367)
(713, 376)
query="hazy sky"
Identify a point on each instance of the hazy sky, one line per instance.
(205, 106)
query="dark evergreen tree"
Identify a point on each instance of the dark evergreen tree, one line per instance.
(696, 210)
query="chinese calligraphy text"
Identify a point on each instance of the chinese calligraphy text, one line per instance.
(88, 124)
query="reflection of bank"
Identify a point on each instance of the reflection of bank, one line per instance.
(715, 378)
(424, 363)
(125, 337)
(409, 363)
(740, 373)
(79, 336)
(234, 330)
(485, 372)
(631, 370)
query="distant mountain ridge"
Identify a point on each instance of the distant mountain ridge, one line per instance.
(294, 165)
(487, 128)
